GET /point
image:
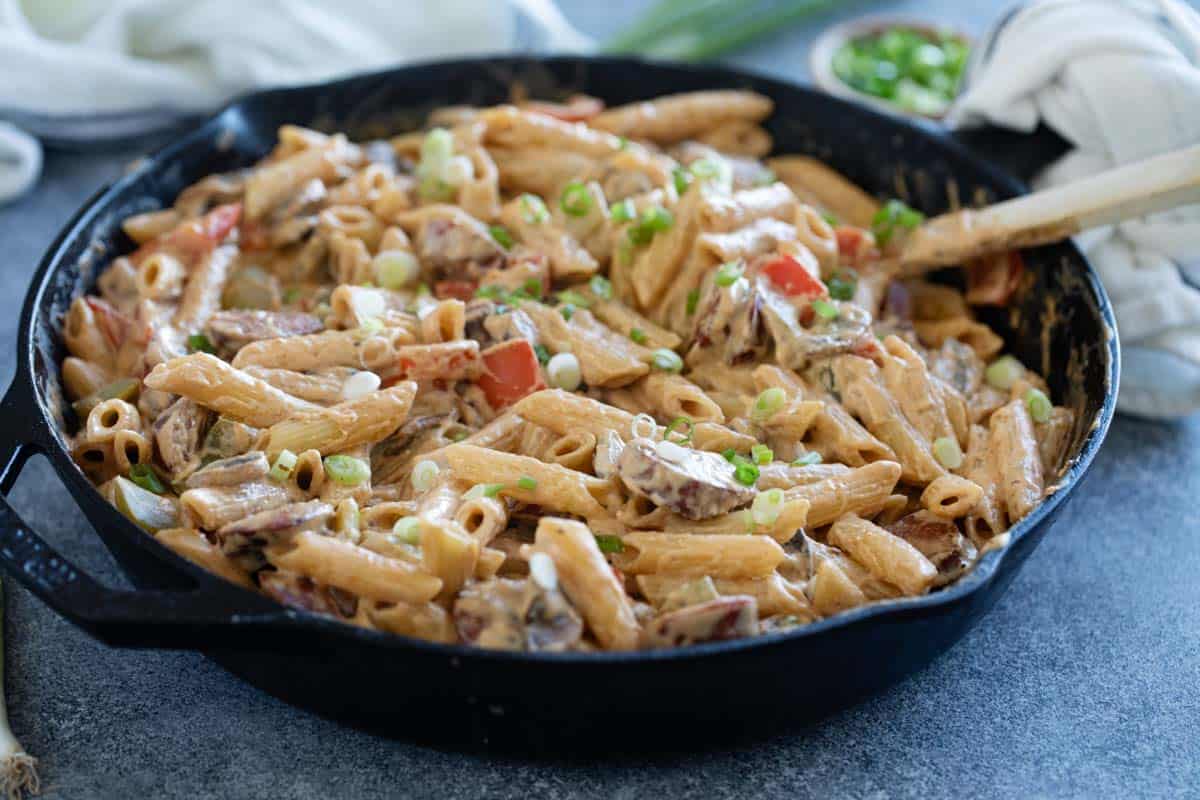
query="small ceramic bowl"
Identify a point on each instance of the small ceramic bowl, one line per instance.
(829, 42)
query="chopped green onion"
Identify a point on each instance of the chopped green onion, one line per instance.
(894, 214)
(623, 211)
(347, 470)
(830, 218)
(527, 483)
(432, 187)
(808, 459)
(533, 287)
(407, 530)
(654, 220)
(609, 544)
(762, 454)
(199, 343)
(693, 300)
(683, 426)
(638, 335)
(769, 403)
(543, 355)
(667, 360)
(745, 473)
(567, 311)
(825, 309)
(947, 452)
(1003, 373)
(437, 147)
(533, 209)
(622, 142)
(682, 180)
(729, 273)
(396, 269)
(713, 169)
(564, 372)
(767, 506)
(601, 287)
(910, 68)
(1039, 405)
(501, 236)
(574, 298)
(575, 200)
(730, 455)
(424, 474)
(492, 291)
(285, 462)
(492, 489)
(144, 476)
(842, 287)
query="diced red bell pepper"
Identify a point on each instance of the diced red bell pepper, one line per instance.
(792, 278)
(856, 246)
(456, 290)
(193, 239)
(512, 371)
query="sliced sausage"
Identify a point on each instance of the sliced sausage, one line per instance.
(714, 621)
(939, 540)
(230, 330)
(505, 614)
(693, 483)
(457, 247)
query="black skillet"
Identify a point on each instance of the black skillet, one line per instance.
(1061, 323)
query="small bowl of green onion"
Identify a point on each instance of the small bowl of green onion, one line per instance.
(903, 66)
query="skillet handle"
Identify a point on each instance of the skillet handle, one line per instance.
(129, 618)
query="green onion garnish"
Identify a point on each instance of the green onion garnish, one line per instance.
(347, 470)
(575, 200)
(609, 544)
(769, 403)
(638, 335)
(1003, 373)
(825, 309)
(667, 360)
(745, 473)
(808, 459)
(762, 454)
(730, 455)
(682, 426)
(567, 311)
(285, 462)
(947, 452)
(682, 180)
(654, 220)
(601, 287)
(407, 530)
(144, 476)
(842, 287)
(533, 287)
(767, 506)
(894, 214)
(533, 209)
(729, 273)
(693, 300)
(199, 343)
(527, 483)
(830, 218)
(501, 235)
(543, 355)
(493, 291)
(910, 68)
(1039, 405)
(623, 211)
(492, 489)
(574, 298)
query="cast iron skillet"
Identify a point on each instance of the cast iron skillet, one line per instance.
(1061, 323)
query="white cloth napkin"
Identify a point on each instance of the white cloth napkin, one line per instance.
(81, 57)
(1119, 80)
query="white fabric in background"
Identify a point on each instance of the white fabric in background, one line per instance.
(72, 57)
(1119, 80)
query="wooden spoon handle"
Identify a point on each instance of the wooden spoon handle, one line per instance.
(1156, 184)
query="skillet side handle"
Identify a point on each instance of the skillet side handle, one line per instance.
(1022, 155)
(130, 618)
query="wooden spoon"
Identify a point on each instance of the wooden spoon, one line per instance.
(1146, 187)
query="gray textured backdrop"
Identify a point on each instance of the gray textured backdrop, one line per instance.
(1083, 682)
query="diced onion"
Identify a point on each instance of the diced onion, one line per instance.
(947, 452)
(424, 474)
(1003, 373)
(360, 384)
(543, 572)
(564, 372)
(766, 507)
(396, 269)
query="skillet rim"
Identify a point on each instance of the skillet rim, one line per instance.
(209, 130)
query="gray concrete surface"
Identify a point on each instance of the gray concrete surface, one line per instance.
(1083, 682)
